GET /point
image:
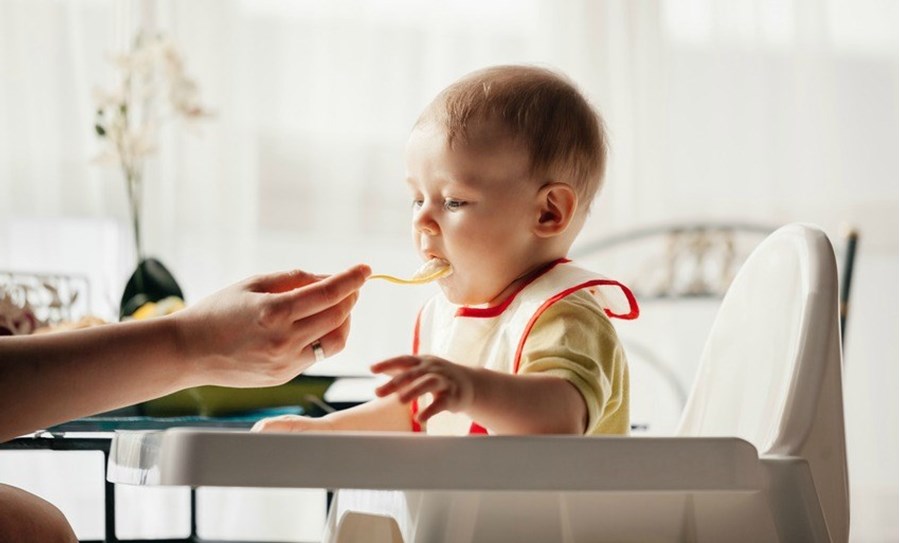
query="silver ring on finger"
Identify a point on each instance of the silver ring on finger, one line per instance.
(317, 350)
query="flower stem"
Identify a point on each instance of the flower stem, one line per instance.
(134, 195)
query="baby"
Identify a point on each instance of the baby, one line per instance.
(502, 167)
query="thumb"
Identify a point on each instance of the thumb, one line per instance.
(283, 281)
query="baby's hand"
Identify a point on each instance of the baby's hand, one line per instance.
(451, 385)
(290, 423)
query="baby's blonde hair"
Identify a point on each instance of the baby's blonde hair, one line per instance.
(563, 134)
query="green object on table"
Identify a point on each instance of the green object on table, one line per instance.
(112, 423)
(214, 401)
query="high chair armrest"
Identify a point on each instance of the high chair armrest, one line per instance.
(791, 489)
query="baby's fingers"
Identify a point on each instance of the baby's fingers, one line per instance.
(423, 385)
(396, 364)
(284, 423)
(441, 403)
(399, 381)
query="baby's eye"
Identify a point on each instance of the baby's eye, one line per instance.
(417, 203)
(453, 205)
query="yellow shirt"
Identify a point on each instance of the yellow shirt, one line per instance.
(575, 340)
(557, 324)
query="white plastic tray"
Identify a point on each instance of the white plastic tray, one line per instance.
(194, 457)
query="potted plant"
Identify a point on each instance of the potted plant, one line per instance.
(152, 89)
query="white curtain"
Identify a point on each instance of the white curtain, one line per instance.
(753, 110)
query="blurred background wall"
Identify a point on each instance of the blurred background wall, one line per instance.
(763, 111)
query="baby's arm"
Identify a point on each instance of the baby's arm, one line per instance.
(571, 378)
(502, 403)
(382, 414)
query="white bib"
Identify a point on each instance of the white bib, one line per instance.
(494, 337)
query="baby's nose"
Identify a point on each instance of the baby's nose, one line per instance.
(425, 223)
(429, 228)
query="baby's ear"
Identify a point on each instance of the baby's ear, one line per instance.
(557, 203)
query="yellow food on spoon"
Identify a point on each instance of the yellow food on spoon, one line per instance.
(430, 271)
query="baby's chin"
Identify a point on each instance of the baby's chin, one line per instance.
(458, 296)
(452, 295)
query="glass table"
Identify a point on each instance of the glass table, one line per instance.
(96, 434)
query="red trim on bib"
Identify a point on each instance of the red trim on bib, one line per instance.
(477, 429)
(415, 345)
(632, 314)
(414, 405)
(413, 411)
(634, 311)
(493, 311)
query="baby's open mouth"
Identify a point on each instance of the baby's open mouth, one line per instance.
(431, 270)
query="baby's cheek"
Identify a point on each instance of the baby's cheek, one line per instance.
(482, 245)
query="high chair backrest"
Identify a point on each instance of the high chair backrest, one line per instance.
(771, 369)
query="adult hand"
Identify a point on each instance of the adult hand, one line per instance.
(451, 385)
(259, 332)
(255, 333)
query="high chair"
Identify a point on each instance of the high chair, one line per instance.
(771, 373)
(760, 454)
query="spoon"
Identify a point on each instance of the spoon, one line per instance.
(430, 271)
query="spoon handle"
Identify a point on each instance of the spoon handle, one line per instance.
(400, 281)
(416, 279)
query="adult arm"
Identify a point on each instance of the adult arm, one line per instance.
(254, 333)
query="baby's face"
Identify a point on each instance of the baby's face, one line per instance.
(473, 205)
